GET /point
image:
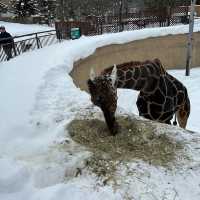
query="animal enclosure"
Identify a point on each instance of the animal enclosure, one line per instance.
(96, 25)
(171, 50)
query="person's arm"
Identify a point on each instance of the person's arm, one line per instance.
(1, 40)
(11, 40)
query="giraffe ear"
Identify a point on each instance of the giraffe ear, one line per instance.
(92, 74)
(114, 74)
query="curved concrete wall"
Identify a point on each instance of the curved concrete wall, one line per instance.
(171, 50)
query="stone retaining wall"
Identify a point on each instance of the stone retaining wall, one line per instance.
(171, 50)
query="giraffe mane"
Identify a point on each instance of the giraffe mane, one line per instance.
(135, 64)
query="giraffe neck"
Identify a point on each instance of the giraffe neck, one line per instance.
(139, 76)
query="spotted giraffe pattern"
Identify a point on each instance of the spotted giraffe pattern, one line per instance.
(170, 97)
(161, 95)
(142, 76)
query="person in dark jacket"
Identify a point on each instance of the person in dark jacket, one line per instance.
(6, 41)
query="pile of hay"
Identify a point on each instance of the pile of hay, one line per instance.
(136, 140)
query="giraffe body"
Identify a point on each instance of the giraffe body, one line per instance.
(169, 97)
(161, 95)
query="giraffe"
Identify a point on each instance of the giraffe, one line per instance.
(161, 95)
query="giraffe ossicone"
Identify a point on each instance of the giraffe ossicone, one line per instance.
(92, 74)
(161, 95)
(114, 75)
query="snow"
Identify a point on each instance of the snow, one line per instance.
(38, 100)
(16, 29)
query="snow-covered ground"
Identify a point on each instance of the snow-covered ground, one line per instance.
(39, 98)
(16, 29)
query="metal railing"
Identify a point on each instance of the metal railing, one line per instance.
(27, 42)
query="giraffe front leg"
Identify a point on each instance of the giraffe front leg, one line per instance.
(110, 121)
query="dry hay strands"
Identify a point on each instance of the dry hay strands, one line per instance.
(136, 140)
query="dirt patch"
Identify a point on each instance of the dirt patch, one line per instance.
(136, 139)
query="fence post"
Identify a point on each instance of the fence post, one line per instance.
(37, 41)
(120, 16)
(190, 38)
(101, 25)
(169, 15)
(121, 25)
(15, 52)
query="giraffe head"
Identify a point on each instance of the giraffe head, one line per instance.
(104, 95)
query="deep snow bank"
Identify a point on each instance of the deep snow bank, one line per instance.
(38, 99)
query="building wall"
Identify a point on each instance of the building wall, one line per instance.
(197, 9)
